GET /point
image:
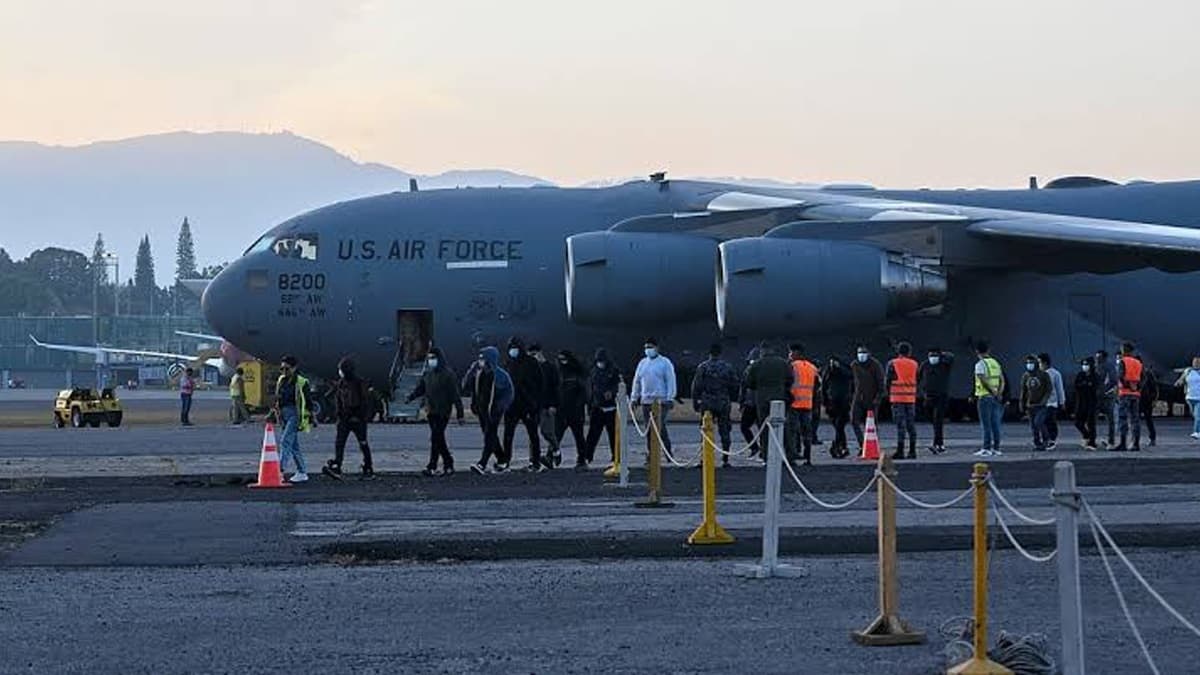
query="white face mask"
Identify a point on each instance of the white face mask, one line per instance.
(863, 356)
(1031, 367)
(341, 373)
(1086, 368)
(514, 352)
(651, 353)
(935, 360)
(601, 365)
(432, 363)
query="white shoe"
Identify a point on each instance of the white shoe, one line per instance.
(997, 452)
(1196, 435)
(298, 477)
(983, 452)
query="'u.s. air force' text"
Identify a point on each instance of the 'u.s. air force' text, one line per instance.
(422, 249)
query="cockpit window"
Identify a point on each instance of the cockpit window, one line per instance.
(297, 246)
(264, 243)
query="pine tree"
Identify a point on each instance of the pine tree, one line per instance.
(99, 264)
(185, 254)
(143, 275)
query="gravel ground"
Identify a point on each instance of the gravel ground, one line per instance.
(552, 617)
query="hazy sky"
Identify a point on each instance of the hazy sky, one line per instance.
(894, 92)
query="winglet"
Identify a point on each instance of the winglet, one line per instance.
(35, 340)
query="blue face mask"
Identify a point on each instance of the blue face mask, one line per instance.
(433, 363)
(1031, 367)
(935, 360)
(651, 353)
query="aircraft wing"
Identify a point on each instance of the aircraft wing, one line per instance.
(97, 351)
(200, 336)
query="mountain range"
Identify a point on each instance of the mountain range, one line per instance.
(230, 185)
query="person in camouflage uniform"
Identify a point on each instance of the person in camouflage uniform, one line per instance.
(714, 388)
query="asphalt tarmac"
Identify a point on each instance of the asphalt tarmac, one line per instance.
(540, 616)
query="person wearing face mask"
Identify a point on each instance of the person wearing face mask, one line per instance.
(572, 404)
(1035, 392)
(439, 387)
(837, 385)
(1106, 373)
(868, 390)
(714, 387)
(529, 383)
(654, 381)
(291, 410)
(747, 412)
(603, 386)
(933, 384)
(1086, 389)
(491, 390)
(805, 383)
(902, 395)
(1129, 393)
(769, 379)
(352, 409)
(1056, 402)
(549, 407)
(1189, 379)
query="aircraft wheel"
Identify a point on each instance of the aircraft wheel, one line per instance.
(114, 419)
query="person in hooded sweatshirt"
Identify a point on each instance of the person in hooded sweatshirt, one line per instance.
(603, 386)
(747, 412)
(439, 387)
(549, 406)
(528, 392)
(837, 385)
(491, 390)
(868, 390)
(352, 401)
(1087, 388)
(572, 405)
(714, 387)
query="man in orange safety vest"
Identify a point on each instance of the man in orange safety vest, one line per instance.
(902, 395)
(805, 382)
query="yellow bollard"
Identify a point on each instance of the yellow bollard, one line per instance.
(654, 470)
(888, 628)
(979, 664)
(710, 531)
(614, 471)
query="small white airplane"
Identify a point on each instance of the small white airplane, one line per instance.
(225, 363)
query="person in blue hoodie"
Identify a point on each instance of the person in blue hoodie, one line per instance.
(491, 391)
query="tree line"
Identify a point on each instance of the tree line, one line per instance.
(59, 281)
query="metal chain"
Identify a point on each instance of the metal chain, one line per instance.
(1008, 505)
(1136, 574)
(828, 505)
(1017, 545)
(926, 505)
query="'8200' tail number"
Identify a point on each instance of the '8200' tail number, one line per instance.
(302, 282)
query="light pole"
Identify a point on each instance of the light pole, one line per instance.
(112, 259)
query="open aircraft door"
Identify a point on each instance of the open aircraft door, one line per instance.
(414, 337)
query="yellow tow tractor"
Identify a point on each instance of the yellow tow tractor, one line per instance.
(81, 407)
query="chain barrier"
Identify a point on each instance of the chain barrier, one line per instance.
(1112, 578)
(633, 417)
(995, 490)
(743, 452)
(1134, 571)
(1017, 545)
(926, 505)
(827, 505)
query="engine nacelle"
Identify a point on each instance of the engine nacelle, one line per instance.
(788, 287)
(635, 277)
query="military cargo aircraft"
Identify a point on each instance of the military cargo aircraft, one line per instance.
(1068, 269)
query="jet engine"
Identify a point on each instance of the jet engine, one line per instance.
(638, 277)
(767, 286)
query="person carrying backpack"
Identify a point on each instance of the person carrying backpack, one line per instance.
(353, 408)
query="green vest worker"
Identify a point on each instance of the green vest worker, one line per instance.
(238, 414)
(989, 388)
(291, 406)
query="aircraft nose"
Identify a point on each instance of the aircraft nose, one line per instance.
(220, 305)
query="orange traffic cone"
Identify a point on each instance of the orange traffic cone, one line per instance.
(269, 474)
(870, 451)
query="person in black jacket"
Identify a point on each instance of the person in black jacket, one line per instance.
(439, 387)
(603, 386)
(933, 383)
(572, 404)
(1149, 391)
(747, 412)
(1087, 401)
(548, 417)
(528, 382)
(352, 399)
(837, 387)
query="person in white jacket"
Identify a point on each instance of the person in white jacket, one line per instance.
(654, 381)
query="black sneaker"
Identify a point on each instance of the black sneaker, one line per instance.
(547, 462)
(367, 473)
(449, 470)
(912, 454)
(429, 473)
(500, 468)
(557, 458)
(581, 466)
(478, 469)
(332, 470)
(536, 467)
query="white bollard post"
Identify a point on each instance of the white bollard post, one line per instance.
(624, 418)
(770, 565)
(1066, 500)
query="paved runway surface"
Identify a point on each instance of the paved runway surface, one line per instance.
(551, 617)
